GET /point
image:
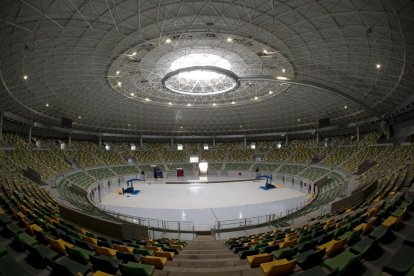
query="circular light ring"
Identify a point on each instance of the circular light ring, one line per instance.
(235, 83)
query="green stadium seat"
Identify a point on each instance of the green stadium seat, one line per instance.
(317, 271)
(401, 262)
(136, 269)
(409, 239)
(42, 255)
(363, 247)
(309, 258)
(68, 267)
(105, 263)
(344, 262)
(10, 267)
(3, 250)
(79, 254)
(144, 252)
(243, 254)
(285, 253)
(128, 257)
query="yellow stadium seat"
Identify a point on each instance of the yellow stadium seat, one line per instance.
(168, 255)
(287, 244)
(278, 267)
(59, 245)
(158, 262)
(332, 247)
(256, 260)
(91, 240)
(153, 248)
(105, 251)
(124, 248)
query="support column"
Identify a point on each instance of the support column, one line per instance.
(99, 141)
(172, 142)
(1, 125)
(69, 141)
(245, 142)
(214, 142)
(140, 142)
(30, 135)
(357, 133)
(287, 140)
(317, 136)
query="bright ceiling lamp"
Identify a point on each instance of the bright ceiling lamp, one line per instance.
(192, 60)
(200, 74)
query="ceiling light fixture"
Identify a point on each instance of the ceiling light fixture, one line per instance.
(147, 99)
(25, 77)
(117, 72)
(229, 39)
(168, 40)
(134, 53)
(233, 102)
(378, 65)
(47, 105)
(270, 92)
(345, 106)
(281, 78)
(119, 83)
(283, 70)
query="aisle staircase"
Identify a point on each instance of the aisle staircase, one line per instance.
(205, 255)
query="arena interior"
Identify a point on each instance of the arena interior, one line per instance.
(261, 137)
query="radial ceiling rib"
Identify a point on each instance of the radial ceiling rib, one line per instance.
(318, 86)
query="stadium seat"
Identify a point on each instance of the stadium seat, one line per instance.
(9, 266)
(135, 269)
(243, 254)
(79, 254)
(128, 257)
(42, 255)
(123, 248)
(278, 267)
(332, 247)
(105, 263)
(168, 255)
(158, 262)
(401, 262)
(309, 258)
(66, 266)
(363, 247)
(256, 260)
(105, 251)
(344, 262)
(285, 253)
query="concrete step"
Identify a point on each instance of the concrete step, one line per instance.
(207, 263)
(205, 256)
(207, 251)
(236, 271)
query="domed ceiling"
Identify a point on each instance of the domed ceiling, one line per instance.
(205, 67)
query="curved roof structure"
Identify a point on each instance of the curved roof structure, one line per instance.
(205, 67)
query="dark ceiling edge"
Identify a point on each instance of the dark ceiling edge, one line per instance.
(309, 132)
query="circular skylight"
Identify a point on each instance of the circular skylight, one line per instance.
(200, 59)
(200, 81)
(200, 74)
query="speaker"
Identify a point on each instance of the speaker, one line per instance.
(324, 122)
(66, 122)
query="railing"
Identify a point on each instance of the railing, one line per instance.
(189, 226)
